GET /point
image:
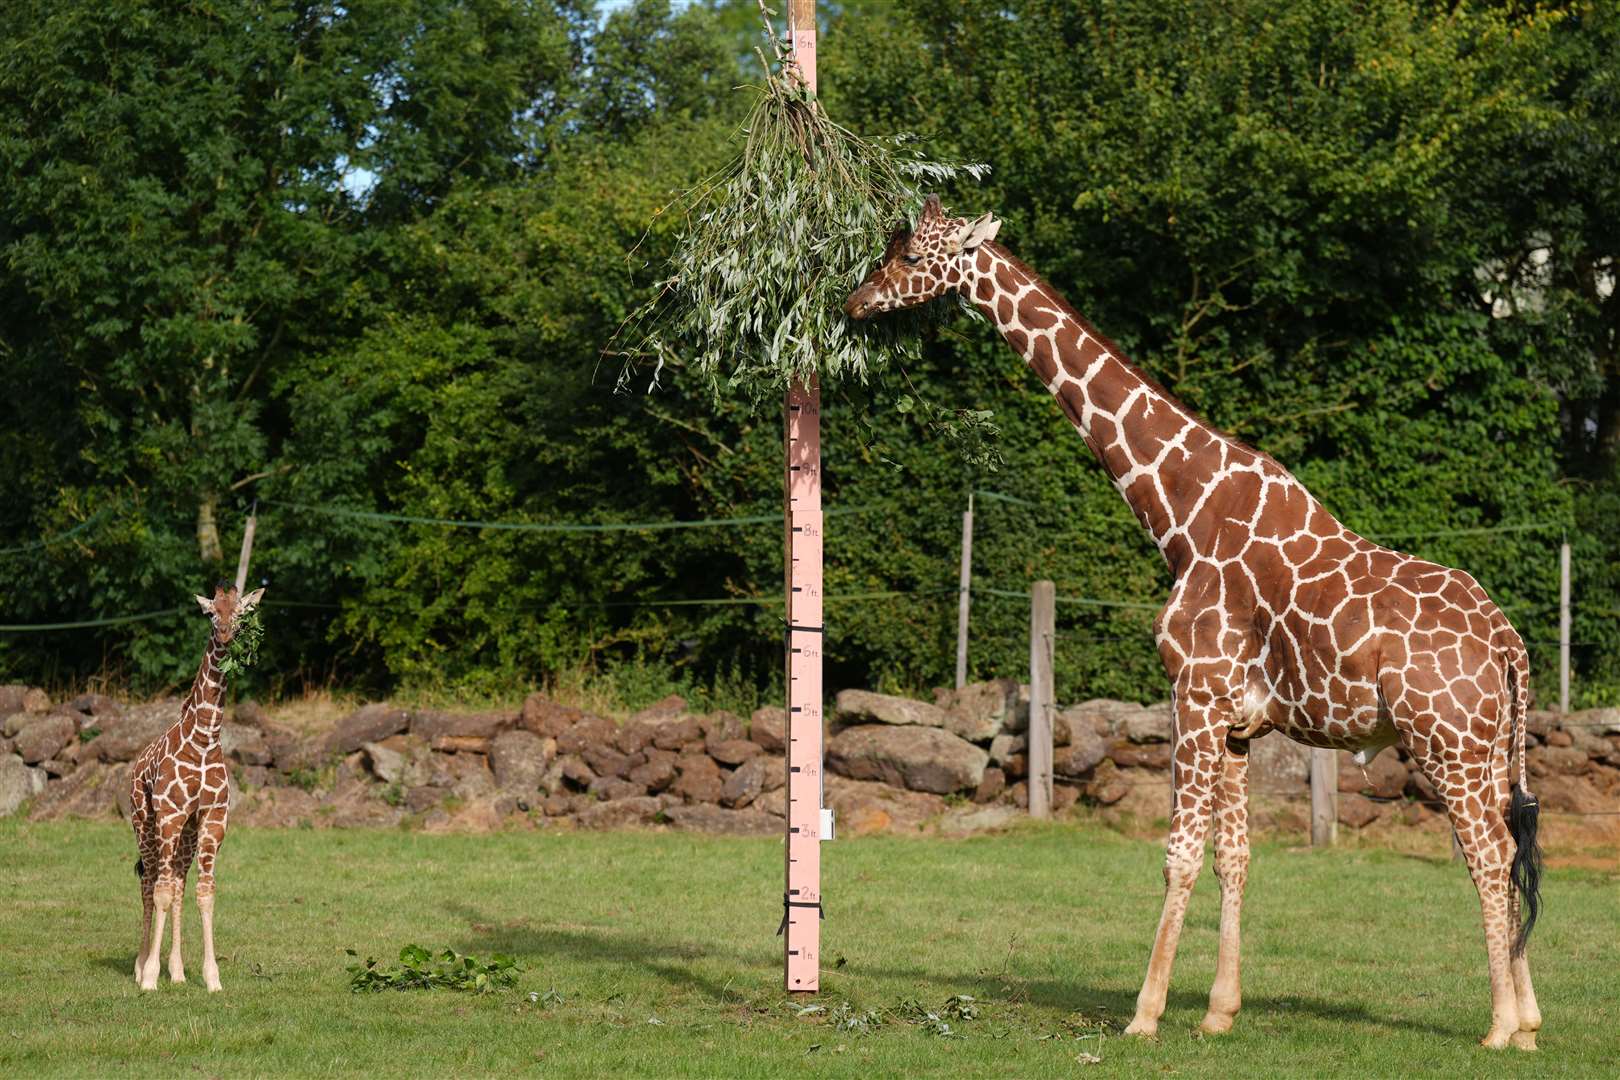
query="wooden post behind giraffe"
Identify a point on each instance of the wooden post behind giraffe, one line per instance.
(1280, 619)
(179, 797)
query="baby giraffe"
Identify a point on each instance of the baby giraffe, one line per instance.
(179, 794)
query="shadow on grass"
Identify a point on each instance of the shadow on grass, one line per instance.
(672, 963)
(123, 963)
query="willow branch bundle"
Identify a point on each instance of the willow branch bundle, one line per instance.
(773, 243)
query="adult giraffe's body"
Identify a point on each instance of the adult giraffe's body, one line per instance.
(179, 802)
(1280, 619)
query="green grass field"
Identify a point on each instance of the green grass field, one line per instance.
(654, 955)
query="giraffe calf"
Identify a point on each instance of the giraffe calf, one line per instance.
(179, 799)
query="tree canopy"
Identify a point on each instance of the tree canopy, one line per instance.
(363, 259)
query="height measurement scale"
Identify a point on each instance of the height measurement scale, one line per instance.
(807, 823)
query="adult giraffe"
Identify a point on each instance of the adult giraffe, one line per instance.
(1280, 619)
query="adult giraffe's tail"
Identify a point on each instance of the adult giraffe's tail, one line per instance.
(1522, 808)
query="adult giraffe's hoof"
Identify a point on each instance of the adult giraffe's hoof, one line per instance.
(1215, 1024)
(1147, 1029)
(1497, 1040)
(1523, 1040)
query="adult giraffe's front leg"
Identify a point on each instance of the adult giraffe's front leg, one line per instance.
(1232, 868)
(1198, 720)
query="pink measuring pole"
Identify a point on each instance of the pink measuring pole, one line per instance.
(801, 923)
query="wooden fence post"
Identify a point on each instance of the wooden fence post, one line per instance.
(1042, 626)
(1324, 796)
(247, 548)
(964, 594)
(1563, 627)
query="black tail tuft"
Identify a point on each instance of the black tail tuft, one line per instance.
(1526, 870)
(140, 871)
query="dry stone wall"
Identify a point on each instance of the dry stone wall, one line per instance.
(957, 763)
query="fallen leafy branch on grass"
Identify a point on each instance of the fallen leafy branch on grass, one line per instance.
(418, 970)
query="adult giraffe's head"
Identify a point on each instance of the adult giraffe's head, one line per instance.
(922, 262)
(226, 608)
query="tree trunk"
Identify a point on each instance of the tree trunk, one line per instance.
(207, 531)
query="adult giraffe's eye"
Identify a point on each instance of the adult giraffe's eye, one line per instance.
(911, 260)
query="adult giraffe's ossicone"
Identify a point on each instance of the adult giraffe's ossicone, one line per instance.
(1280, 619)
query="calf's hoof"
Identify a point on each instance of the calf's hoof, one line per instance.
(1523, 1040)
(1215, 1024)
(1496, 1040)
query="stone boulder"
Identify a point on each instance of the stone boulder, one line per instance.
(615, 787)
(36, 701)
(1145, 723)
(700, 817)
(432, 724)
(676, 732)
(861, 807)
(863, 706)
(546, 718)
(18, 783)
(700, 779)
(1078, 747)
(244, 744)
(1280, 766)
(768, 728)
(1384, 777)
(386, 763)
(11, 698)
(752, 779)
(90, 791)
(978, 712)
(1556, 761)
(518, 760)
(1005, 747)
(1131, 755)
(919, 758)
(367, 724)
(98, 705)
(124, 737)
(1358, 811)
(734, 751)
(620, 813)
(41, 739)
(250, 713)
(991, 786)
(657, 773)
(588, 731)
(660, 712)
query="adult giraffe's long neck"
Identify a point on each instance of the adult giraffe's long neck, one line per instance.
(204, 707)
(1181, 478)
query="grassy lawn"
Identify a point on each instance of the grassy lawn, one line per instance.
(660, 953)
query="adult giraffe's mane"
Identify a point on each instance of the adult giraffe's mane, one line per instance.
(1068, 309)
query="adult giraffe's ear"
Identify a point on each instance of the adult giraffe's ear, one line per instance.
(249, 602)
(931, 208)
(981, 230)
(206, 603)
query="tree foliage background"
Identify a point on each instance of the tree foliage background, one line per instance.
(365, 257)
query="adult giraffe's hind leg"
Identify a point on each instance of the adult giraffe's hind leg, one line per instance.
(1477, 818)
(1196, 763)
(1232, 868)
(1523, 992)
